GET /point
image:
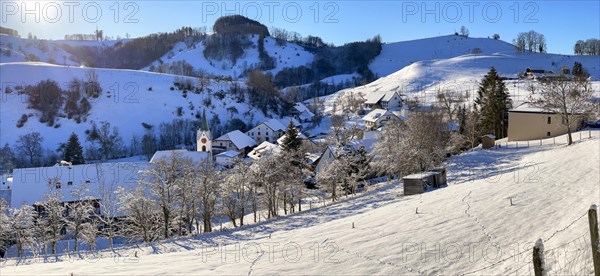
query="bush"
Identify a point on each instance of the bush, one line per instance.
(22, 121)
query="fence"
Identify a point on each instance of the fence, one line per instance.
(560, 140)
(577, 257)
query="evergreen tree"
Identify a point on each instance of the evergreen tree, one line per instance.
(292, 141)
(493, 103)
(74, 151)
(462, 119)
(204, 121)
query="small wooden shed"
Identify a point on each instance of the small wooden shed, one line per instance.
(488, 141)
(419, 183)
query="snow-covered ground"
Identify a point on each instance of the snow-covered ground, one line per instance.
(469, 227)
(126, 101)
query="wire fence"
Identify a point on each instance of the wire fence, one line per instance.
(554, 141)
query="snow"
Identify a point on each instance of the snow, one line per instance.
(275, 125)
(466, 228)
(419, 175)
(286, 56)
(375, 114)
(527, 107)
(197, 157)
(229, 154)
(265, 148)
(126, 102)
(238, 138)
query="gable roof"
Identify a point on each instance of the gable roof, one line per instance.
(286, 120)
(376, 114)
(275, 125)
(229, 153)
(195, 156)
(238, 138)
(303, 109)
(377, 96)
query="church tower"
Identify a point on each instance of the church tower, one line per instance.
(204, 140)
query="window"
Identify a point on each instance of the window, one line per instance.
(58, 186)
(549, 120)
(259, 134)
(70, 183)
(87, 182)
(267, 139)
(548, 133)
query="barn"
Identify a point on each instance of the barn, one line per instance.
(419, 183)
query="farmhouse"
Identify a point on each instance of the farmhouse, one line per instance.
(234, 140)
(269, 131)
(389, 100)
(527, 122)
(264, 149)
(379, 117)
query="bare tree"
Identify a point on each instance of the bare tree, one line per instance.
(30, 145)
(52, 219)
(81, 212)
(22, 225)
(569, 97)
(208, 192)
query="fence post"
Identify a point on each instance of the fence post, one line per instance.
(527, 143)
(580, 135)
(589, 134)
(517, 146)
(593, 218)
(540, 142)
(538, 258)
(554, 140)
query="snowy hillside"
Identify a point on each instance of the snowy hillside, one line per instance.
(15, 49)
(467, 228)
(126, 101)
(286, 56)
(421, 68)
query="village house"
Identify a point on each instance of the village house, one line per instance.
(388, 100)
(269, 131)
(379, 117)
(527, 122)
(227, 158)
(302, 113)
(234, 140)
(264, 149)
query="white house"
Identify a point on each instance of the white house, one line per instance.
(389, 100)
(234, 140)
(332, 152)
(302, 113)
(269, 131)
(379, 117)
(226, 158)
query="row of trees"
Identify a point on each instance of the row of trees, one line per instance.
(531, 41)
(588, 47)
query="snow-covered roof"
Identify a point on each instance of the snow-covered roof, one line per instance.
(303, 109)
(302, 136)
(419, 175)
(275, 125)
(375, 114)
(265, 148)
(491, 136)
(375, 97)
(229, 153)
(195, 156)
(238, 138)
(30, 184)
(286, 120)
(528, 108)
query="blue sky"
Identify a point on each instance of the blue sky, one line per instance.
(562, 22)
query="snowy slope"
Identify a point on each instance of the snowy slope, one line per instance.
(126, 101)
(286, 56)
(421, 68)
(45, 50)
(467, 228)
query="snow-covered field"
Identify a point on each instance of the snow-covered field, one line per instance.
(469, 227)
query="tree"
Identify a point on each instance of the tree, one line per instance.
(30, 146)
(496, 36)
(493, 103)
(81, 212)
(142, 214)
(208, 192)
(464, 31)
(111, 143)
(292, 141)
(22, 225)
(52, 220)
(92, 86)
(7, 159)
(235, 192)
(74, 151)
(5, 227)
(565, 96)
(47, 98)
(386, 152)
(578, 71)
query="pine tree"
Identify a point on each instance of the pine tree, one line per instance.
(292, 141)
(74, 151)
(493, 102)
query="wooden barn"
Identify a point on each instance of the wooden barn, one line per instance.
(419, 183)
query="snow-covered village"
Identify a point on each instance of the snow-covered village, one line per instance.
(284, 138)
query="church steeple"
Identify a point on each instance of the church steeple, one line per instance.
(203, 135)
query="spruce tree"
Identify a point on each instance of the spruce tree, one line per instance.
(292, 141)
(493, 102)
(74, 151)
